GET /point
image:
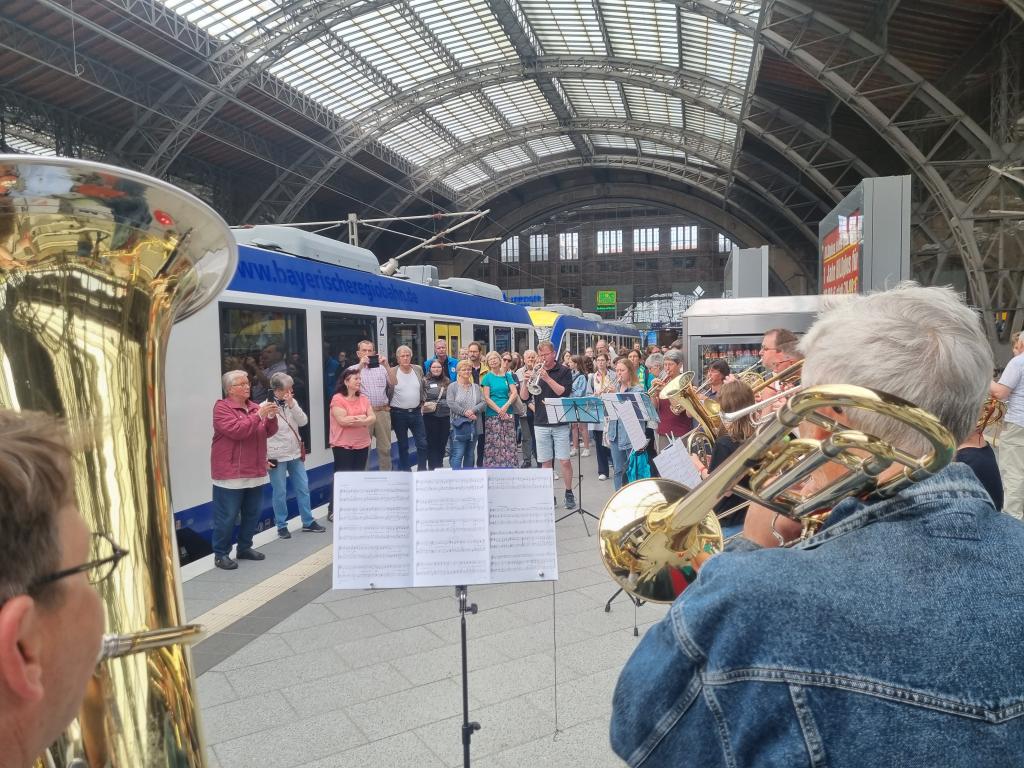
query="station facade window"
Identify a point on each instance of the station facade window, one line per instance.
(538, 247)
(510, 249)
(645, 240)
(609, 241)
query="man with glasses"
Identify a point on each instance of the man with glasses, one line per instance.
(51, 618)
(374, 383)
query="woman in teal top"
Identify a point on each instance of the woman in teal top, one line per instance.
(499, 422)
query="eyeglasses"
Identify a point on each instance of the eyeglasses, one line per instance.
(104, 557)
(769, 349)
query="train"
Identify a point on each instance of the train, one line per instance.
(571, 330)
(302, 302)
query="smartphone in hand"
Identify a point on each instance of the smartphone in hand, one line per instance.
(373, 361)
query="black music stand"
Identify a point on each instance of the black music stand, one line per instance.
(577, 410)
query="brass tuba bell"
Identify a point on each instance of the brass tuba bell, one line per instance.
(96, 264)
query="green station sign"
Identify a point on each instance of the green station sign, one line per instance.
(606, 299)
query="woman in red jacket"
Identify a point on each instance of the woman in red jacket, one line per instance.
(238, 465)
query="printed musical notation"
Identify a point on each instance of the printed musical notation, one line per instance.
(471, 527)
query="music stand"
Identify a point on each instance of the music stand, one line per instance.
(576, 410)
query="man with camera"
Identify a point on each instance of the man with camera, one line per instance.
(374, 377)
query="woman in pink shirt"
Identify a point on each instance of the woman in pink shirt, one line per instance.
(352, 419)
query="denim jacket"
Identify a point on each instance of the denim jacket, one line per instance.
(892, 638)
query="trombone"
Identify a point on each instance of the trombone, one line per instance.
(655, 533)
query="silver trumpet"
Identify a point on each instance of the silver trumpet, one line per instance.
(533, 384)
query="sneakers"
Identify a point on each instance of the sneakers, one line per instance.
(284, 533)
(602, 477)
(314, 527)
(570, 500)
(572, 451)
(225, 562)
(330, 516)
(250, 554)
(585, 452)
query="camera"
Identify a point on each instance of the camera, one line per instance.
(280, 403)
(373, 361)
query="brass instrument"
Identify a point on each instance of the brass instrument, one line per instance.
(533, 383)
(992, 413)
(654, 533)
(683, 398)
(96, 263)
(787, 377)
(751, 376)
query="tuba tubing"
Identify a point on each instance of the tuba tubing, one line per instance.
(96, 264)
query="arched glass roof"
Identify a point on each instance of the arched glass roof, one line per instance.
(355, 57)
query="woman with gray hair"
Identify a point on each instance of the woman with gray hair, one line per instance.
(654, 363)
(238, 466)
(285, 456)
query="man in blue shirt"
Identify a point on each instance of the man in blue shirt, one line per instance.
(441, 353)
(889, 638)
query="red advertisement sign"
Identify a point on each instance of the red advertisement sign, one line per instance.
(840, 255)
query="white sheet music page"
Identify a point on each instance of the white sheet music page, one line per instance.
(372, 530)
(450, 529)
(674, 463)
(522, 525)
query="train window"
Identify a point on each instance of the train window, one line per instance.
(263, 341)
(482, 334)
(502, 339)
(522, 339)
(341, 335)
(410, 333)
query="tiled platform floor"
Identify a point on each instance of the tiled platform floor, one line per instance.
(326, 678)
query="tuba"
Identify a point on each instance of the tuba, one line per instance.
(654, 534)
(682, 397)
(96, 264)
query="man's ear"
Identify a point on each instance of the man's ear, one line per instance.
(21, 668)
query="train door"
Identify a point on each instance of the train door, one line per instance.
(341, 335)
(452, 333)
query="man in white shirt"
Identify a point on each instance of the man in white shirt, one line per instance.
(1010, 388)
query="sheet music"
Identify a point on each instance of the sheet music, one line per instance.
(628, 418)
(522, 525)
(450, 529)
(372, 530)
(674, 463)
(610, 401)
(574, 410)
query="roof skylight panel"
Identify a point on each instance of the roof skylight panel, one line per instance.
(641, 29)
(222, 18)
(313, 70)
(711, 125)
(466, 117)
(27, 146)
(467, 29)
(654, 148)
(551, 145)
(652, 106)
(387, 42)
(595, 98)
(714, 49)
(565, 26)
(520, 102)
(466, 176)
(416, 141)
(613, 142)
(510, 157)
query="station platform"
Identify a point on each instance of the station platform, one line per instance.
(292, 673)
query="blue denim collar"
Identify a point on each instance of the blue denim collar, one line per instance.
(956, 481)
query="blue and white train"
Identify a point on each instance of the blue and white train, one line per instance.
(571, 330)
(306, 301)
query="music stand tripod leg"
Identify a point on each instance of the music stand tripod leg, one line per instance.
(467, 727)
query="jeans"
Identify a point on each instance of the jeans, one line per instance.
(228, 503)
(603, 452)
(480, 442)
(279, 475)
(619, 459)
(404, 421)
(438, 428)
(526, 425)
(463, 452)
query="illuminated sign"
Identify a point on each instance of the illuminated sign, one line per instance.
(606, 299)
(841, 251)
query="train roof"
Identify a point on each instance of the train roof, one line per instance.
(274, 273)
